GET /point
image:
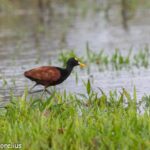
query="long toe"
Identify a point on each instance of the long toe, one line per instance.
(32, 92)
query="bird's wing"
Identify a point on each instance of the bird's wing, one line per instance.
(45, 73)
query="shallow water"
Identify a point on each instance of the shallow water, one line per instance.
(26, 43)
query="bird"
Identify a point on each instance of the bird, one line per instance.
(51, 75)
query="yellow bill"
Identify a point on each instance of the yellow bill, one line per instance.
(82, 65)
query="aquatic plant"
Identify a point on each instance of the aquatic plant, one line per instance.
(115, 61)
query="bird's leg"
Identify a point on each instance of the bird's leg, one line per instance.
(36, 91)
(30, 90)
(48, 91)
(43, 93)
(45, 90)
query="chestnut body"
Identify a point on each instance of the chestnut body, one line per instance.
(45, 75)
(50, 75)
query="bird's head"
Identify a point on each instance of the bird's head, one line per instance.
(72, 62)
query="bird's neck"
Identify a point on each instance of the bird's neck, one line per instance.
(69, 69)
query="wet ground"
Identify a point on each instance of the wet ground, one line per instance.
(25, 42)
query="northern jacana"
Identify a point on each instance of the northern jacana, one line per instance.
(51, 75)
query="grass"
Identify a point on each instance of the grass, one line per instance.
(77, 121)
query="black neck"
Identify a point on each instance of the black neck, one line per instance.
(69, 68)
(65, 73)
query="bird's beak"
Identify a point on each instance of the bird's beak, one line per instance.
(81, 64)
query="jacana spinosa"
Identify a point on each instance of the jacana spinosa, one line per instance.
(50, 75)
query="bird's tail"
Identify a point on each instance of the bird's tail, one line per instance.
(27, 74)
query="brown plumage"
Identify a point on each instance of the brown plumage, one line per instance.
(45, 75)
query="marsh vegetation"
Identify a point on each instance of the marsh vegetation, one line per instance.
(104, 106)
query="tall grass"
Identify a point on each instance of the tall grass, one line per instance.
(68, 121)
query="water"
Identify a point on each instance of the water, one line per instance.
(25, 42)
